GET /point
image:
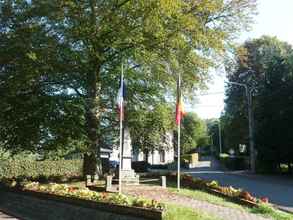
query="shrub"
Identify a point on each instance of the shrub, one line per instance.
(235, 163)
(197, 183)
(159, 166)
(172, 166)
(40, 170)
(186, 158)
(140, 166)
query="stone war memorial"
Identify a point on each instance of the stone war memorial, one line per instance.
(128, 175)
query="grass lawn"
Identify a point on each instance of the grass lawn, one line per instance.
(268, 211)
(175, 212)
(264, 210)
(204, 196)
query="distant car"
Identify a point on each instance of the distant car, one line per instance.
(114, 164)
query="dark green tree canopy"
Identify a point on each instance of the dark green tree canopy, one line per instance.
(270, 62)
(60, 61)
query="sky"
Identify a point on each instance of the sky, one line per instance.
(274, 18)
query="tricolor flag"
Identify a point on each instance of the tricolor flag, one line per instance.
(120, 98)
(179, 104)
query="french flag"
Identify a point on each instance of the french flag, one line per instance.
(120, 98)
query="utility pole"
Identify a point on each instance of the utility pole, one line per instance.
(251, 129)
(220, 135)
(248, 93)
(212, 143)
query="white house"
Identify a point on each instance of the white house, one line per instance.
(153, 157)
(114, 156)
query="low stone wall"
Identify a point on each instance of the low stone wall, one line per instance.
(38, 206)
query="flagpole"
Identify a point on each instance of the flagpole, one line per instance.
(178, 160)
(178, 141)
(121, 133)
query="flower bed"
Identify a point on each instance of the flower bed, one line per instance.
(85, 193)
(236, 195)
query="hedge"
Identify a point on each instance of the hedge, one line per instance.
(235, 163)
(186, 158)
(140, 166)
(31, 169)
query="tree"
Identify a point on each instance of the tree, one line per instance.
(193, 132)
(267, 60)
(59, 60)
(213, 132)
(151, 128)
(275, 115)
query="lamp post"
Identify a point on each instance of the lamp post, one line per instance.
(220, 136)
(248, 93)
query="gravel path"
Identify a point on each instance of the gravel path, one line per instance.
(163, 195)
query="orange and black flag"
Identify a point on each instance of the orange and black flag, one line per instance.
(180, 112)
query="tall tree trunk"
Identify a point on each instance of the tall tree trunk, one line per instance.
(146, 152)
(92, 161)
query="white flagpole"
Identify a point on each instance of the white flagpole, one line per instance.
(121, 131)
(178, 165)
(178, 136)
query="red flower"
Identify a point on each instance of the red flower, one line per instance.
(72, 188)
(264, 199)
(104, 195)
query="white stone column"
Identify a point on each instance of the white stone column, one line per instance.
(127, 149)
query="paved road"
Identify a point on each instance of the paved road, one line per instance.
(279, 190)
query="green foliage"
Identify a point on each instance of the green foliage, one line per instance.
(268, 211)
(60, 59)
(205, 196)
(140, 166)
(210, 186)
(193, 132)
(186, 157)
(4, 154)
(235, 163)
(85, 193)
(151, 128)
(264, 209)
(32, 169)
(271, 79)
(175, 212)
(275, 111)
(213, 131)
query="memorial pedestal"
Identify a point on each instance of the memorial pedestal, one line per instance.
(128, 175)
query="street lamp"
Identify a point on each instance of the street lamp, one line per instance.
(220, 135)
(248, 93)
(211, 143)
